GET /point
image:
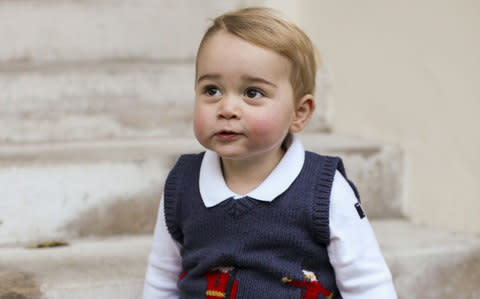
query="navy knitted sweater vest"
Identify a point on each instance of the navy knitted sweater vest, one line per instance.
(245, 248)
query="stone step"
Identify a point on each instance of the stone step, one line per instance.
(69, 30)
(425, 263)
(108, 268)
(89, 101)
(96, 101)
(429, 263)
(67, 190)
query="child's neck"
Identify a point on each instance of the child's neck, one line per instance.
(243, 176)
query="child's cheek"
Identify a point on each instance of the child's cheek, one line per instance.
(265, 128)
(199, 123)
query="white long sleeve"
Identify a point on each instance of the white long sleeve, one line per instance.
(360, 269)
(164, 263)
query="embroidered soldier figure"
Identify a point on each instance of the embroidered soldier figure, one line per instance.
(311, 287)
(221, 283)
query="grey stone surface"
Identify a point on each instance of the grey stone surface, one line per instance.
(77, 189)
(426, 263)
(109, 268)
(68, 30)
(45, 202)
(96, 101)
(430, 263)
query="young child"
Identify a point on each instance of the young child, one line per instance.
(256, 216)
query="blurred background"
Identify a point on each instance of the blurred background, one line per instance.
(95, 106)
(409, 72)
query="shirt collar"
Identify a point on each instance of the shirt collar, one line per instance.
(214, 190)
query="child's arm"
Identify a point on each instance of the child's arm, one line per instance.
(360, 270)
(164, 263)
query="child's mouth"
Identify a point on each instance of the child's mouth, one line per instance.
(227, 135)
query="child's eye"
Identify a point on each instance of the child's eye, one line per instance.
(253, 93)
(212, 91)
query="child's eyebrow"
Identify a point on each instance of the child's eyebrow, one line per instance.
(257, 79)
(208, 76)
(246, 78)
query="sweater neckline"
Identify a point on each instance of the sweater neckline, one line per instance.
(214, 190)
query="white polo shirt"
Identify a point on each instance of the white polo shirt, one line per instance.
(360, 270)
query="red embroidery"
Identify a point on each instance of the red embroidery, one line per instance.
(311, 288)
(233, 294)
(182, 275)
(220, 284)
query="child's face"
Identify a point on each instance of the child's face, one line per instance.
(244, 103)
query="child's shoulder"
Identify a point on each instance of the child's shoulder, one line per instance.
(186, 163)
(318, 155)
(189, 158)
(334, 161)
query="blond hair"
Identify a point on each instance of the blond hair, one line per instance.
(264, 27)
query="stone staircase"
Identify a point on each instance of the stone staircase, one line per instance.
(96, 100)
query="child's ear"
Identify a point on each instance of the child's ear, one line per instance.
(303, 112)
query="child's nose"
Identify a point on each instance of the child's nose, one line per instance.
(229, 107)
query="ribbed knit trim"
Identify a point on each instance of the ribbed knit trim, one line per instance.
(341, 168)
(170, 209)
(173, 190)
(321, 204)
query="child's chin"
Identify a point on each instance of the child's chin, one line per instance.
(231, 155)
